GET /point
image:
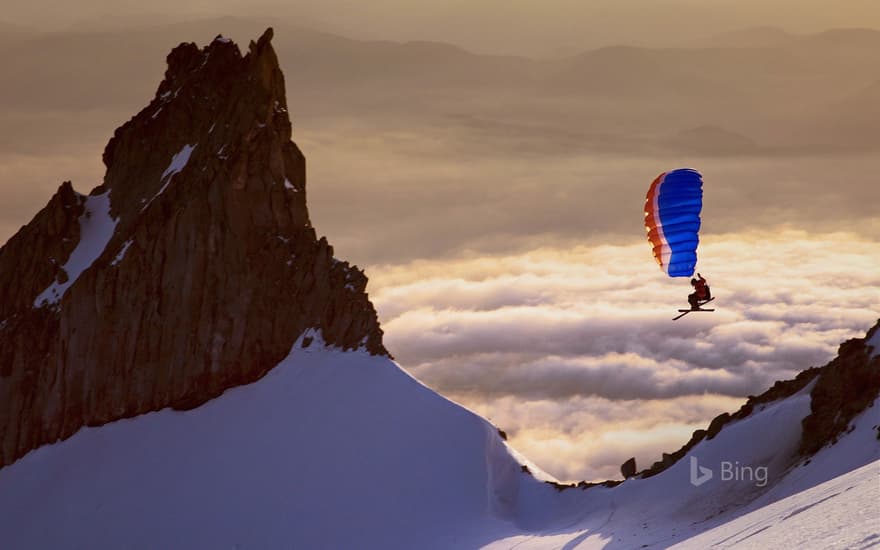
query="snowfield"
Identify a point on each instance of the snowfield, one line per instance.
(328, 450)
(841, 513)
(346, 450)
(669, 510)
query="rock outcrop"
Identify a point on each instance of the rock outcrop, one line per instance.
(192, 268)
(843, 388)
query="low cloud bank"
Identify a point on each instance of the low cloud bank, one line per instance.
(548, 331)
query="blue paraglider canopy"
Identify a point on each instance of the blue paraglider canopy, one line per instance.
(672, 220)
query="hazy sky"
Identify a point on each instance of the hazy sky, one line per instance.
(502, 26)
(496, 203)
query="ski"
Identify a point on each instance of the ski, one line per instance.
(683, 312)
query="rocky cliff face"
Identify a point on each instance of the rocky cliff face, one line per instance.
(192, 268)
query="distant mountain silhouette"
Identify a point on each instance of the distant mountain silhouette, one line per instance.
(780, 91)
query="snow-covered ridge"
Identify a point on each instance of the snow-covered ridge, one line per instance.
(330, 449)
(96, 229)
(719, 490)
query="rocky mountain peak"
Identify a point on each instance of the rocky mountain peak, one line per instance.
(213, 105)
(191, 269)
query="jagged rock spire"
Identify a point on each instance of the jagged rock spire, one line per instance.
(192, 268)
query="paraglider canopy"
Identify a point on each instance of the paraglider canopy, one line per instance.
(672, 220)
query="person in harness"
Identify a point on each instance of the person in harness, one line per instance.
(701, 292)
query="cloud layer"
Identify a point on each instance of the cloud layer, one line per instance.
(528, 339)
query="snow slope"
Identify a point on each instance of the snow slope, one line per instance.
(328, 450)
(668, 509)
(841, 513)
(346, 450)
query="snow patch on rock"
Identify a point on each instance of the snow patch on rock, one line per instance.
(178, 163)
(121, 254)
(874, 344)
(96, 228)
